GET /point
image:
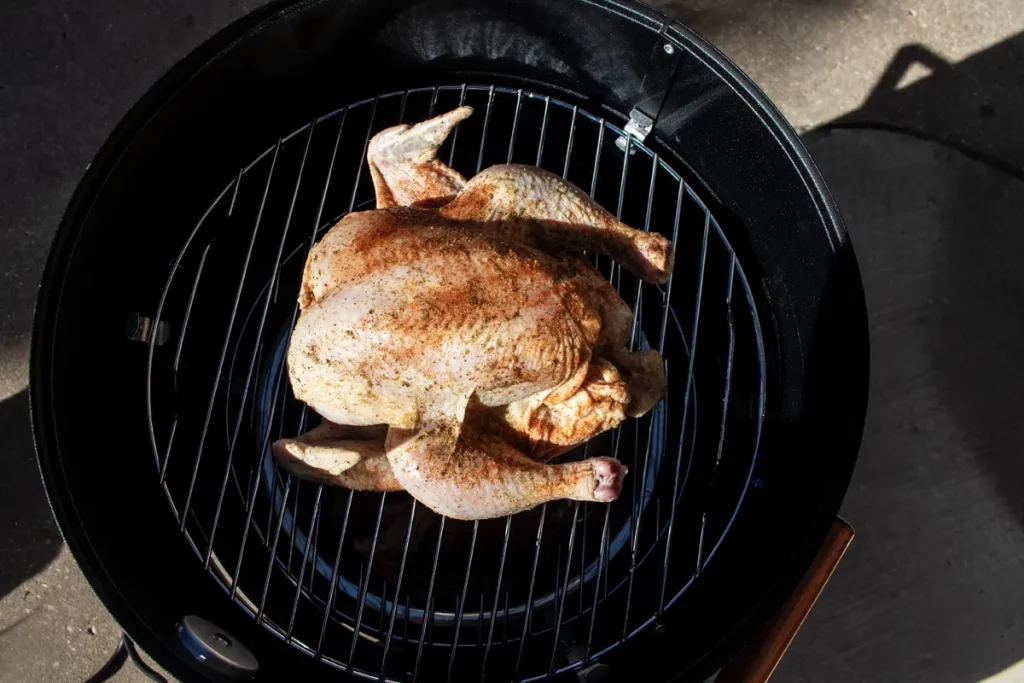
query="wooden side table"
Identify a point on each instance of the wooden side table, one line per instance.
(757, 661)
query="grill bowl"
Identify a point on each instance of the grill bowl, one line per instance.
(735, 478)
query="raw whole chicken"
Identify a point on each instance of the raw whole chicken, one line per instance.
(454, 340)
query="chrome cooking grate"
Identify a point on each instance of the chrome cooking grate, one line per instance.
(429, 597)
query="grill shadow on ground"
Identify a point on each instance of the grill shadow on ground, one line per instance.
(930, 590)
(973, 105)
(31, 539)
(969, 109)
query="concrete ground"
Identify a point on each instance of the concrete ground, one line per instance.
(911, 110)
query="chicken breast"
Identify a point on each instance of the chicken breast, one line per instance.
(408, 314)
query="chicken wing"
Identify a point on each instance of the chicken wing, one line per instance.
(404, 167)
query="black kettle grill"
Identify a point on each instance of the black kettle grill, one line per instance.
(158, 377)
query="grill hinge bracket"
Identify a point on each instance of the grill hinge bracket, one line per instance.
(639, 125)
(661, 70)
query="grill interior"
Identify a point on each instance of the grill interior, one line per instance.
(375, 584)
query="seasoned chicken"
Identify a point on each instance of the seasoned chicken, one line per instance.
(460, 318)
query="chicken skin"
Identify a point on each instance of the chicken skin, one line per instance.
(454, 339)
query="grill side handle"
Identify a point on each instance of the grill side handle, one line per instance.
(759, 659)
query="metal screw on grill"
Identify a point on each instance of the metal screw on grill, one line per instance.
(669, 50)
(140, 328)
(621, 143)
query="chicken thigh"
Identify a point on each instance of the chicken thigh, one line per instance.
(460, 318)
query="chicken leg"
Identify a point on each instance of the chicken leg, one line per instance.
(475, 476)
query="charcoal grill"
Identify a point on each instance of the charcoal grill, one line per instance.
(193, 224)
